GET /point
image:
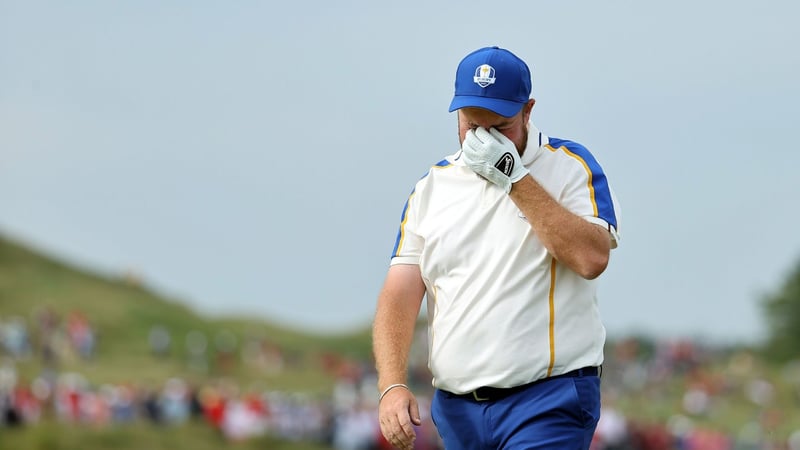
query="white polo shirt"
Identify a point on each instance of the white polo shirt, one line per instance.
(502, 311)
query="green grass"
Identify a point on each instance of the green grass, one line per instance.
(50, 435)
(122, 314)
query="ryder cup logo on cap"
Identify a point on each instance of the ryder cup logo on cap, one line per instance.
(484, 75)
(492, 78)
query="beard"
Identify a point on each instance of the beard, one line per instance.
(523, 144)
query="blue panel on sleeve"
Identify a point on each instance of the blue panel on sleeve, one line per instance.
(602, 193)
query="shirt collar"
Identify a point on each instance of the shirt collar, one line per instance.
(536, 140)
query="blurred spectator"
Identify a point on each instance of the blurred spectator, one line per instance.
(14, 337)
(612, 430)
(356, 428)
(81, 335)
(696, 401)
(195, 406)
(225, 343)
(10, 415)
(159, 340)
(70, 389)
(651, 436)
(94, 408)
(122, 401)
(48, 322)
(213, 404)
(196, 345)
(760, 392)
(261, 354)
(794, 440)
(703, 439)
(174, 402)
(244, 418)
(152, 407)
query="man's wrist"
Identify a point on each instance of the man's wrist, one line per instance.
(390, 387)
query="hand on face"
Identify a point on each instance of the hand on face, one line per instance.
(493, 156)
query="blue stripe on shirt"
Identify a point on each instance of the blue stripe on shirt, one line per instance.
(602, 193)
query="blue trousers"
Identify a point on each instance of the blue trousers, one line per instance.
(557, 414)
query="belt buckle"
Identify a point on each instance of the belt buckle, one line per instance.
(478, 398)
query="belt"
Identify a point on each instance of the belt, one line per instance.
(489, 393)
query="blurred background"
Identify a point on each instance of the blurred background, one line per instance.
(198, 201)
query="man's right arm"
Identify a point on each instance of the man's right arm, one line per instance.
(392, 334)
(395, 318)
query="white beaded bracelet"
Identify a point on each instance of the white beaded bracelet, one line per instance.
(389, 388)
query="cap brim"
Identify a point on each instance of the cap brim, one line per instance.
(505, 108)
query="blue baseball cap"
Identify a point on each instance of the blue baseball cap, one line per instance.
(492, 78)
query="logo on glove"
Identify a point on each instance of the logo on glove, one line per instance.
(505, 164)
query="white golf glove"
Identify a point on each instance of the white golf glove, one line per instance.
(493, 156)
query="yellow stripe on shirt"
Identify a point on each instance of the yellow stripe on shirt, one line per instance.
(588, 173)
(552, 325)
(403, 225)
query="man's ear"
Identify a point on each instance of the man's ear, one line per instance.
(529, 108)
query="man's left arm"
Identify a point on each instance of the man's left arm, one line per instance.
(581, 245)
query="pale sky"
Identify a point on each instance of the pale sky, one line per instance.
(254, 157)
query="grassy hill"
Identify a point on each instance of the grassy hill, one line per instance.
(122, 313)
(740, 392)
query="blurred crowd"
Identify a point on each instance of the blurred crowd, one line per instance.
(701, 388)
(55, 337)
(704, 390)
(66, 345)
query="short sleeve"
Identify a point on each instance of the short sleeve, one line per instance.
(588, 193)
(408, 244)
